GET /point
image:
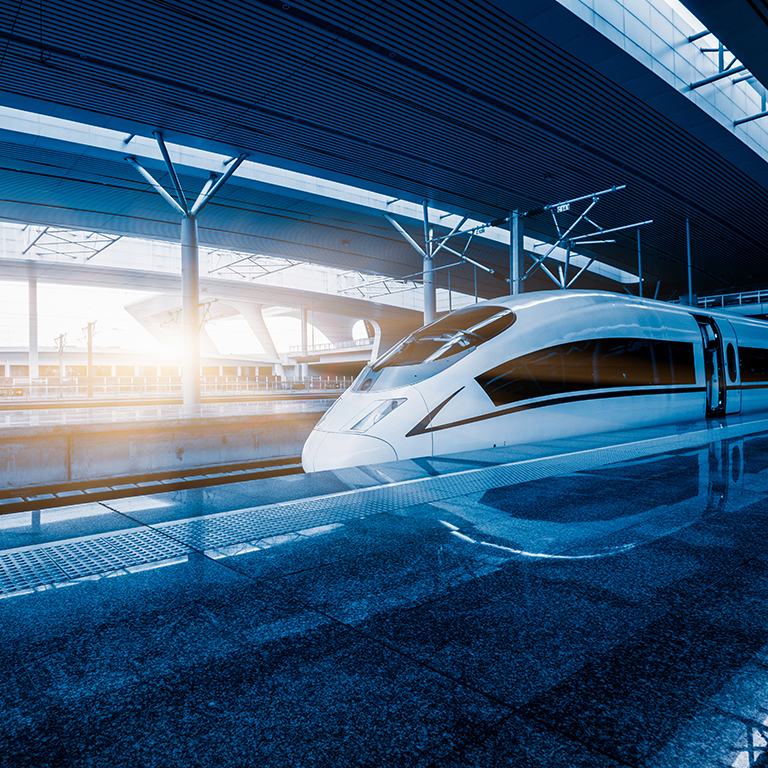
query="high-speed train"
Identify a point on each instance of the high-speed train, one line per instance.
(542, 366)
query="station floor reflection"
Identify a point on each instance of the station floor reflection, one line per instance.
(593, 602)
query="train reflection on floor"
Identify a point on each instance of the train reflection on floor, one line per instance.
(607, 511)
(587, 614)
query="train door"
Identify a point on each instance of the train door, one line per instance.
(721, 366)
(732, 374)
(713, 365)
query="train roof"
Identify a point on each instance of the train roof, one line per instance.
(573, 299)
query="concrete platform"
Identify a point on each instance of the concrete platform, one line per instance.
(70, 446)
(71, 413)
(595, 602)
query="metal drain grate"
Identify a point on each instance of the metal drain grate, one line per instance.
(50, 564)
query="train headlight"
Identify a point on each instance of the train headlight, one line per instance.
(382, 409)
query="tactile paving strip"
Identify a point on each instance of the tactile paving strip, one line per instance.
(246, 525)
(48, 564)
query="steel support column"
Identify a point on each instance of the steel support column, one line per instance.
(34, 367)
(190, 269)
(304, 367)
(430, 294)
(515, 253)
(688, 248)
(190, 314)
(639, 263)
(89, 332)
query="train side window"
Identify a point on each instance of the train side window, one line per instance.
(674, 363)
(587, 364)
(551, 371)
(535, 375)
(644, 362)
(625, 363)
(753, 363)
(664, 362)
(730, 356)
(579, 365)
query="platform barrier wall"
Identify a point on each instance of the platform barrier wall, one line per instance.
(42, 456)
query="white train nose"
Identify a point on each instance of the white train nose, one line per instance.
(334, 450)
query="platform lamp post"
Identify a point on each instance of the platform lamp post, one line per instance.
(190, 269)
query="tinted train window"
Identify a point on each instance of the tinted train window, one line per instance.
(590, 364)
(730, 357)
(754, 364)
(457, 332)
(624, 363)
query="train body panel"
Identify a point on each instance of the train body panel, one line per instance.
(543, 366)
(342, 437)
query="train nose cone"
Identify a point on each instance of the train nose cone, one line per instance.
(332, 450)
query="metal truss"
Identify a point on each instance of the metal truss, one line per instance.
(248, 266)
(729, 70)
(566, 240)
(386, 286)
(755, 745)
(173, 318)
(433, 244)
(206, 316)
(73, 243)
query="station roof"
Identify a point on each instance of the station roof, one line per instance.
(742, 26)
(479, 107)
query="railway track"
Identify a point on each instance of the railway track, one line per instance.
(65, 494)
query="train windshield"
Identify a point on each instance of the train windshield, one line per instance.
(457, 332)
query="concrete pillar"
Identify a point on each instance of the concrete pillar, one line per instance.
(336, 328)
(254, 316)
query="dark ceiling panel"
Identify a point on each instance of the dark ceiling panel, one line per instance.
(477, 106)
(742, 26)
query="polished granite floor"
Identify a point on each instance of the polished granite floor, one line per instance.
(586, 603)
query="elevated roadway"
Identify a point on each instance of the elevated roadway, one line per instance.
(331, 313)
